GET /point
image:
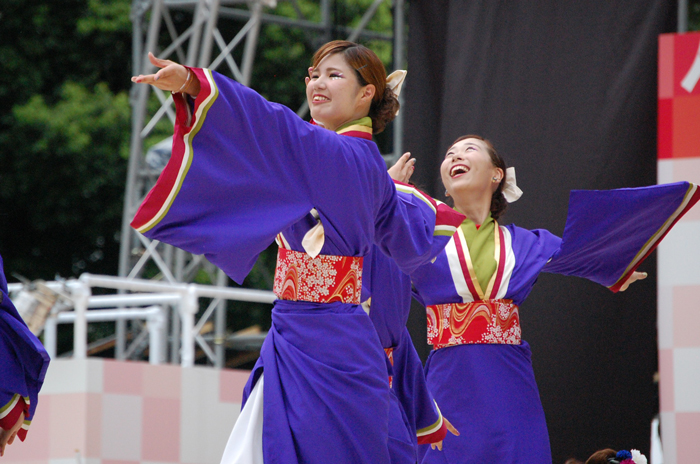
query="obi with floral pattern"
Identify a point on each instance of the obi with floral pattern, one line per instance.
(323, 279)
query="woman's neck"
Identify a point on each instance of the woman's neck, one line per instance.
(474, 208)
(339, 126)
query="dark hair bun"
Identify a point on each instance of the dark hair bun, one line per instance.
(384, 111)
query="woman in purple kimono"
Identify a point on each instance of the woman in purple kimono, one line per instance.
(244, 170)
(480, 371)
(23, 364)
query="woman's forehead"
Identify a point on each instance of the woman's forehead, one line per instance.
(334, 60)
(463, 143)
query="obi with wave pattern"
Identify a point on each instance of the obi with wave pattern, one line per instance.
(489, 321)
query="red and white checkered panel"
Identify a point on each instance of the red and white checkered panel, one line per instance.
(679, 254)
(98, 411)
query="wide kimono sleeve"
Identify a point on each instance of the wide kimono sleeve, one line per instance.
(412, 391)
(418, 230)
(242, 169)
(23, 364)
(609, 233)
(390, 304)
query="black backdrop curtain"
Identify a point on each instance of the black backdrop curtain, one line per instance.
(566, 91)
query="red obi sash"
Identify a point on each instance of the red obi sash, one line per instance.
(488, 321)
(323, 279)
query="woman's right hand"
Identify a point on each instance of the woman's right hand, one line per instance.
(171, 77)
(452, 430)
(403, 168)
(635, 276)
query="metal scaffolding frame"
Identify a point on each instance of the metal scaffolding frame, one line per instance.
(195, 47)
(682, 16)
(152, 301)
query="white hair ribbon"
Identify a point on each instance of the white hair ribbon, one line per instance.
(510, 190)
(395, 81)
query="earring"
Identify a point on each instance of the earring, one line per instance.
(496, 179)
(447, 194)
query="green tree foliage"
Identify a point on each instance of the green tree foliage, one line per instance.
(694, 15)
(47, 43)
(63, 182)
(63, 146)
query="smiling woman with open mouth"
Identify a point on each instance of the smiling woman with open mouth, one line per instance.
(480, 371)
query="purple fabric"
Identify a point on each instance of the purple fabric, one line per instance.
(410, 386)
(491, 393)
(3, 279)
(390, 290)
(23, 359)
(532, 249)
(322, 404)
(402, 443)
(624, 220)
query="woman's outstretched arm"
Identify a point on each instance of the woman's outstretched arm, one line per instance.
(172, 77)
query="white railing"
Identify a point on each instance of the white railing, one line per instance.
(185, 297)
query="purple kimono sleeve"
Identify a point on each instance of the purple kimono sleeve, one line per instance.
(23, 364)
(422, 240)
(609, 233)
(412, 391)
(390, 290)
(242, 169)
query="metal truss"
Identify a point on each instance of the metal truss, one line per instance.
(203, 44)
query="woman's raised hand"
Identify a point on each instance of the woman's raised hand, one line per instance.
(172, 77)
(403, 168)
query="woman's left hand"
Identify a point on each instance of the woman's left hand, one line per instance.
(633, 278)
(403, 168)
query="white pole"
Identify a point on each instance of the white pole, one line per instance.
(187, 313)
(81, 296)
(156, 325)
(682, 16)
(50, 335)
(220, 324)
(207, 291)
(136, 299)
(116, 314)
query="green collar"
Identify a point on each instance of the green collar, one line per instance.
(480, 243)
(361, 128)
(365, 122)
